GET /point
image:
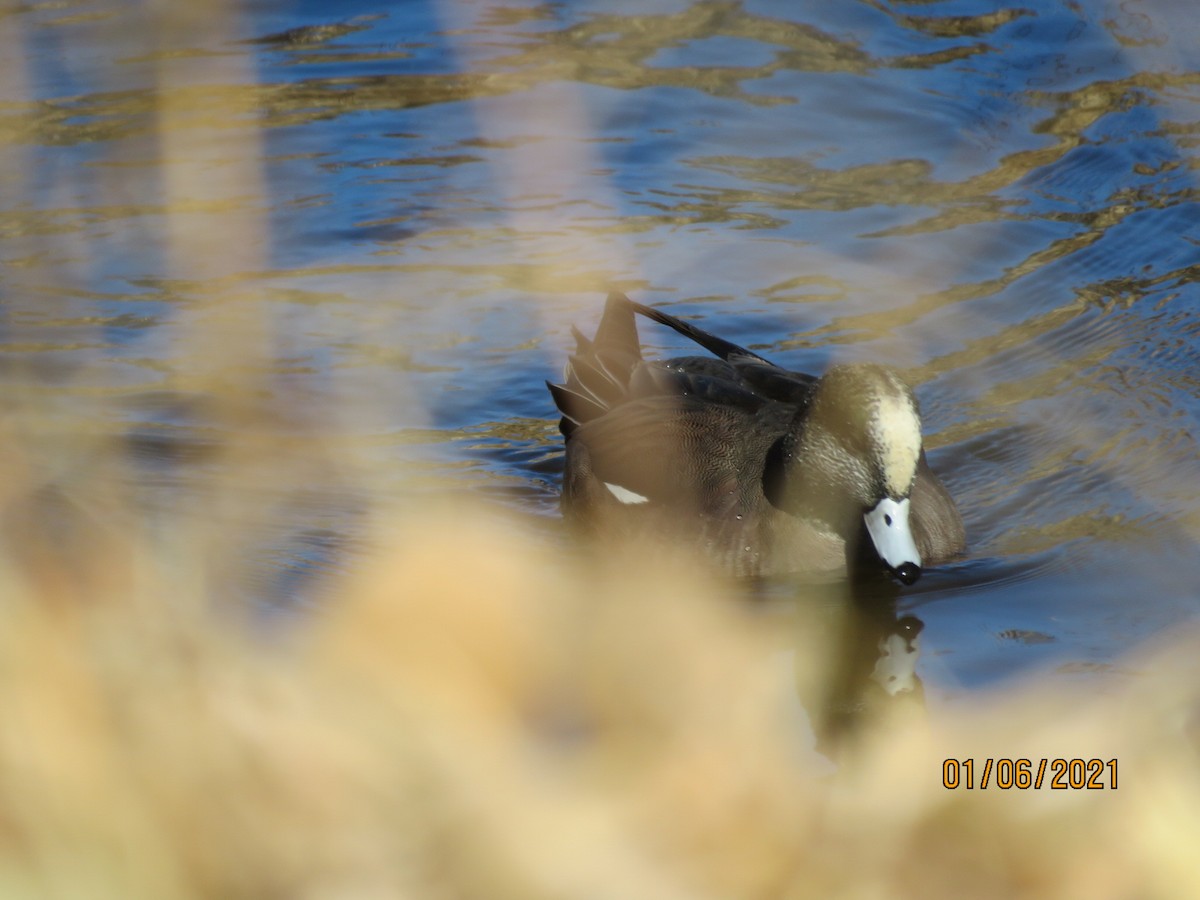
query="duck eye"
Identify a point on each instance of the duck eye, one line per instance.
(887, 520)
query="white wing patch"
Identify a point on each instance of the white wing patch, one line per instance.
(625, 495)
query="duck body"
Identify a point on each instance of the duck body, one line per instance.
(763, 470)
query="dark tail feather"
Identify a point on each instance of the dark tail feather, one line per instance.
(597, 374)
(582, 344)
(710, 342)
(588, 375)
(576, 408)
(617, 334)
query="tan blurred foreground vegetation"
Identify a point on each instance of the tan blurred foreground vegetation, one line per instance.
(477, 715)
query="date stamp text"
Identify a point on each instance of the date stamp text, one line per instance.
(1023, 774)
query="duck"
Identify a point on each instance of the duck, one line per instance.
(762, 470)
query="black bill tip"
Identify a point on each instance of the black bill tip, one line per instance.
(908, 573)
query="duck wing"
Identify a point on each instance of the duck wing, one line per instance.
(678, 451)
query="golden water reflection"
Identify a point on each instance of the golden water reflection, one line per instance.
(374, 242)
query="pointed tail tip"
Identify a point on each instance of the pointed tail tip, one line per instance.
(582, 344)
(617, 330)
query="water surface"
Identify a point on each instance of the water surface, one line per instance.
(388, 216)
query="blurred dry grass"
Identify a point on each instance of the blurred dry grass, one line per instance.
(475, 715)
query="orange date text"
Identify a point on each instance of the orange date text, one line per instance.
(1024, 774)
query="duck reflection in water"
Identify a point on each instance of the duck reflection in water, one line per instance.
(872, 679)
(850, 657)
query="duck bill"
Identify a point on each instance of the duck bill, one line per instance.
(888, 526)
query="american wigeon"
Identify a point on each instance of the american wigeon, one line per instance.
(766, 471)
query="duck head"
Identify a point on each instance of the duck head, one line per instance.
(850, 460)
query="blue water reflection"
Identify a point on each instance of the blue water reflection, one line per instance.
(1002, 203)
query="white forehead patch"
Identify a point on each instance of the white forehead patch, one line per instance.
(898, 433)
